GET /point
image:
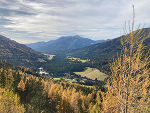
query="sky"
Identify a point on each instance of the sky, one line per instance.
(29, 21)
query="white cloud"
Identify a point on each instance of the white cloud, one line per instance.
(45, 20)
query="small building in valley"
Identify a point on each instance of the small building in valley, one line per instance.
(42, 72)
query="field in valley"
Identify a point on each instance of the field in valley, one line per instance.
(92, 73)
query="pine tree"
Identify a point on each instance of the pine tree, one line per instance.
(9, 78)
(2, 78)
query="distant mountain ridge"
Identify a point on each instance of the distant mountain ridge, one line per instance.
(105, 49)
(18, 54)
(102, 54)
(62, 44)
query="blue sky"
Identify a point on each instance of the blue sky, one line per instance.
(28, 21)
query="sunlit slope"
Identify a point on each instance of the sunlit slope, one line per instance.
(92, 73)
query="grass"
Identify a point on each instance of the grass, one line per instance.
(67, 80)
(57, 78)
(92, 73)
(50, 57)
(77, 59)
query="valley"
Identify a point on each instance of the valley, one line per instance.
(71, 61)
(74, 56)
(71, 75)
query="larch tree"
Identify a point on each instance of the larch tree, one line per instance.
(21, 86)
(97, 107)
(10, 102)
(128, 87)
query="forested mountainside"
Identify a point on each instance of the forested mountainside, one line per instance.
(102, 54)
(62, 44)
(105, 49)
(18, 54)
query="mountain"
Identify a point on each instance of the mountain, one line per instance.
(105, 49)
(101, 54)
(18, 54)
(62, 44)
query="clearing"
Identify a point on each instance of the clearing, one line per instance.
(77, 59)
(50, 57)
(92, 73)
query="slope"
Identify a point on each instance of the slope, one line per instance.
(105, 49)
(101, 54)
(18, 54)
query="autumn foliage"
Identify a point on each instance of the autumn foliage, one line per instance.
(128, 88)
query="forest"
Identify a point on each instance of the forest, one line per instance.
(23, 92)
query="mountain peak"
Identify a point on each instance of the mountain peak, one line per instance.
(69, 37)
(62, 44)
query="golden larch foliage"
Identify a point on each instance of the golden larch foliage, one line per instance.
(128, 87)
(21, 86)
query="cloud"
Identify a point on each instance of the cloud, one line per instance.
(41, 20)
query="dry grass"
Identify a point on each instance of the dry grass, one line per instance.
(92, 73)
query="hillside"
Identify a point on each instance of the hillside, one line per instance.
(101, 54)
(62, 44)
(18, 54)
(105, 49)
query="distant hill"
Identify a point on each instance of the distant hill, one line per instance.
(18, 54)
(62, 44)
